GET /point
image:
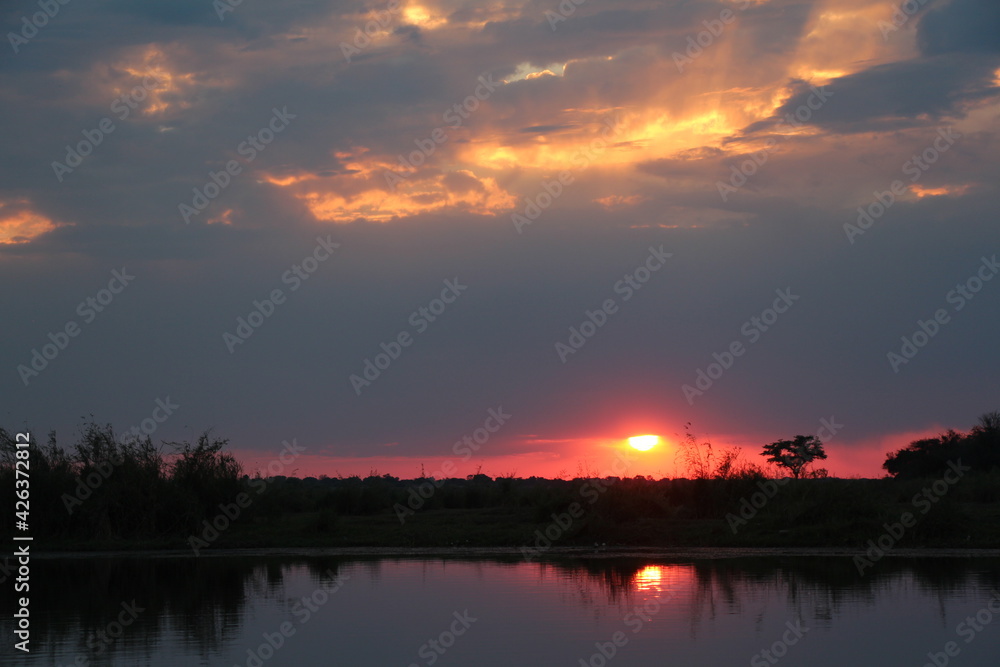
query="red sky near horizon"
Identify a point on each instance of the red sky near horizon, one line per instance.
(576, 458)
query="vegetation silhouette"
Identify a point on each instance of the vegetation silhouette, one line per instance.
(931, 457)
(796, 455)
(123, 492)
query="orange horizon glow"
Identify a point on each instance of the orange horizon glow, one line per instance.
(570, 458)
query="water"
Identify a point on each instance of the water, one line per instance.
(221, 610)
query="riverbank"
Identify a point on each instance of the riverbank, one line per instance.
(502, 528)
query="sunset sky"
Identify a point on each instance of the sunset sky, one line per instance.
(675, 169)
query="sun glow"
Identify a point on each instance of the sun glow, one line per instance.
(649, 578)
(644, 443)
(421, 17)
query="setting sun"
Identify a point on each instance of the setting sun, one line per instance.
(644, 443)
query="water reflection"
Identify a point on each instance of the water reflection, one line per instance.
(649, 578)
(208, 610)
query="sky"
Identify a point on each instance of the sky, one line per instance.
(501, 235)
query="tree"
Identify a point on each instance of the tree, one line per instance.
(931, 457)
(795, 454)
(989, 423)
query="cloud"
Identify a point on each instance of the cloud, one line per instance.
(895, 96)
(643, 146)
(19, 223)
(960, 26)
(546, 129)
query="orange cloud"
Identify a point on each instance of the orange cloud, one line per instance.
(422, 17)
(146, 82)
(224, 218)
(612, 202)
(19, 224)
(560, 114)
(362, 191)
(460, 190)
(842, 38)
(941, 191)
(665, 114)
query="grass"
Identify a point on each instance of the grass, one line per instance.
(513, 527)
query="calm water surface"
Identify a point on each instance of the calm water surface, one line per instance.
(293, 610)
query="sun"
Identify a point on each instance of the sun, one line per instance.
(644, 443)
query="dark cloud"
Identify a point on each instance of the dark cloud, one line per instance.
(545, 129)
(180, 13)
(960, 26)
(896, 95)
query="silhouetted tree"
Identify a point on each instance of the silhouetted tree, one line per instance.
(930, 457)
(795, 454)
(985, 442)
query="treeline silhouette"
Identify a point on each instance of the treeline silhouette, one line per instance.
(113, 487)
(931, 457)
(111, 490)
